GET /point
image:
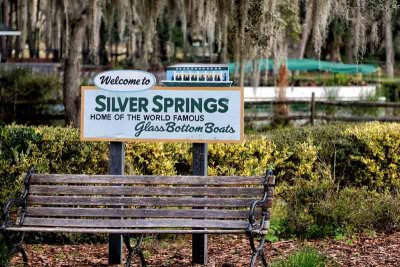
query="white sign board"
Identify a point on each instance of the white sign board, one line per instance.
(168, 114)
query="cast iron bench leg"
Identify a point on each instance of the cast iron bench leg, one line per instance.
(135, 250)
(19, 248)
(15, 246)
(258, 251)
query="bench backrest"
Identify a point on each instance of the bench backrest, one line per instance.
(142, 202)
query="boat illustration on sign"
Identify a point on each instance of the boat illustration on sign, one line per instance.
(216, 75)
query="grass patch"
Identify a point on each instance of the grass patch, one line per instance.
(305, 257)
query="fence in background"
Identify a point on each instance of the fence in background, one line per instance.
(324, 110)
(259, 111)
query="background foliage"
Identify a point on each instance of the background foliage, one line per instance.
(22, 84)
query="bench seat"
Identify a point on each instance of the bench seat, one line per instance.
(140, 204)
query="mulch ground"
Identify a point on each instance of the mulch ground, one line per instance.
(230, 250)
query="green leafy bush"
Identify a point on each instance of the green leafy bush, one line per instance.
(388, 89)
(316, 208)
(158, 158)
(22, 92)
(49, 150)
(22, 84)
(351, 154)
(250, 158)
(365, 154)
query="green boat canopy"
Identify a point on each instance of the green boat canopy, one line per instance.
(310, 65)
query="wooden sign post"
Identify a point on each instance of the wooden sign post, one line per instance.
(116, 166)
(199, 241)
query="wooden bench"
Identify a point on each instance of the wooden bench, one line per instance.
(135, 205)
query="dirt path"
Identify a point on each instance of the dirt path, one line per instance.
(231, 250)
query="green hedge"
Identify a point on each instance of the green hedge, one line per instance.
(388, 89)
(48, 149)
(321, 171)
(359, 155)
(314, 209)
(58, 150)
(352, 155)
(23, 84)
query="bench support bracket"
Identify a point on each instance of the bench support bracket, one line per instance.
(135, 250)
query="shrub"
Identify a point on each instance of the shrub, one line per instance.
(158, 158)
(250, 158)
(50, 150)
(388, 89)
(316, 209)
(365, 154)
(22, 84)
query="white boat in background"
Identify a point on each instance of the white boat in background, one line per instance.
(194, 75)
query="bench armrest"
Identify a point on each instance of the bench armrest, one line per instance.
(265, 203)
(18, 202)
(253, 225)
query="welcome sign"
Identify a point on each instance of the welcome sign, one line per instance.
(124, 80)
(125, 106)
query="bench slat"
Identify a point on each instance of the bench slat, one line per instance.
(125, 231)
(136, 213)
(140, 201)
(145, 179)
(145, 190)
(136, 223)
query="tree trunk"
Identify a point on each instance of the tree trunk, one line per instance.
(18, 25)
(241, 64)
(72, 71)
(6, 10)
(307, 26)
(224, 51)
(32, 27)
(350, 45)
(48, 28)
(244, 4)
(56, 32)
(237, 59)
(37, 31)
(389, 40)
(23, 28)
(103, 57)
(10, 23)
(256, 75)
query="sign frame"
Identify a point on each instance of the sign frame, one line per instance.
(166, 88)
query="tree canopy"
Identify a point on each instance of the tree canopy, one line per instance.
(149, 34)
